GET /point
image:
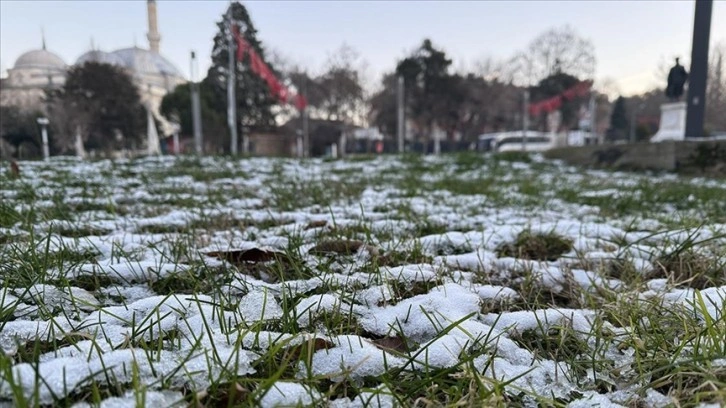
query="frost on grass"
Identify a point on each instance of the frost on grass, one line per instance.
(62, 376)
(289, 394)
(489, 280)
(351, 357)
(170, 399)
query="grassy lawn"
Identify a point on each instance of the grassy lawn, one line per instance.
(460, 280)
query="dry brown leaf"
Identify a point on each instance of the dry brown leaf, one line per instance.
(225, 395)
(240, 257)
(308, 348)
(343, 247)
(396, 344)
(316, 224)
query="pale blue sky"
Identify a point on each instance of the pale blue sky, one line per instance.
(631, 38)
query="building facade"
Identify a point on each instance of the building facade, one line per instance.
(36, 71)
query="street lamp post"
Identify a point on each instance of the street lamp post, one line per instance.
(43, 122)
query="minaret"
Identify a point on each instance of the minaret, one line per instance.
(50, 76)
(153, 34)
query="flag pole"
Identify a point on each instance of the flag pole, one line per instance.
(305, 124)
(306, 133)
(525, 119)
(593, 117)
(196, 107)
(231, 80)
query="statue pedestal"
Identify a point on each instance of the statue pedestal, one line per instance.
(672, 122)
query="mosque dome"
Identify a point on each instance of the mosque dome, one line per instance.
(43, 59)
(100, 57)
(147, 62)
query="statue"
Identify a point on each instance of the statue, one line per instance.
(677, 77)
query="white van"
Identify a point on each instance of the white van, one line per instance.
(535, 142)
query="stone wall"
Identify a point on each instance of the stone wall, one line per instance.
(687, 157)
(269, 144)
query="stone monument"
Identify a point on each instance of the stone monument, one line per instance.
(672, 122)
(673, 114)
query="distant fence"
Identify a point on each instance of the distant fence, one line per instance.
(391, 146)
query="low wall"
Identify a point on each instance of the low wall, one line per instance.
(684, 156)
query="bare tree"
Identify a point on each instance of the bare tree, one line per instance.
(555, 50)
(296, 78)
(347, 57)
(491, 69)
(716, 89)
(343, 96)
(608, 86)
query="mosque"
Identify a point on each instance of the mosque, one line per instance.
(36, 71)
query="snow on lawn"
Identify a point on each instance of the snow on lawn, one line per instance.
(173, 280)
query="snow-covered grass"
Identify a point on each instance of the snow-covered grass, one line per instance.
(392, 281)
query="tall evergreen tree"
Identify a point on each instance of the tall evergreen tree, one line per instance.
(341, 85)
(473, 105)
(103, 101)
(19, 128)
(432, 95)
(253, 99)
(618, 121)
(554, 85)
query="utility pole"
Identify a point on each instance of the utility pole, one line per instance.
(525, 119)
(231, 82)
(305, 130)
(306, 133)
(196, 107)
(401, 115)
(696, 102)
(632, 125)
(593, 116)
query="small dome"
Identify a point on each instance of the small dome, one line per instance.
(101, 57)
(40, 59)
(146, 62)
